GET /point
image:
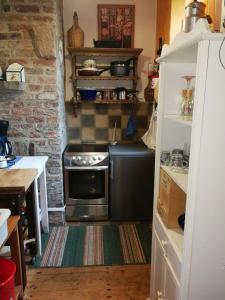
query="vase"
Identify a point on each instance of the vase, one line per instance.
(75, 34)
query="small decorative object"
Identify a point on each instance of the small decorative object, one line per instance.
(187, 98)
(15, 72)
(75, 34)
(116, 23)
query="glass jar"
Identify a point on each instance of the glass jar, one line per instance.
(187, 102)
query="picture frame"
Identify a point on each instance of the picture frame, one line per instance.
(116, 23)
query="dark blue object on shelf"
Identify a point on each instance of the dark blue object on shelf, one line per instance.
(181, 221)
(87, 94)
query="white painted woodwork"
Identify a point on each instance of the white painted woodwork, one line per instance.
(40, 189)
(201, 248)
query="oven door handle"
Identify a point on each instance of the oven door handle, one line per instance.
(87, 168)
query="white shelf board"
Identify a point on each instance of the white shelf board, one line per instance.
(180, 179)
(184, 45)
(176, 238)
(186, 120)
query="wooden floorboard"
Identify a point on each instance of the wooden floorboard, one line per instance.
(89, 283)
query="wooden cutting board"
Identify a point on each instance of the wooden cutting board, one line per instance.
(17, 179)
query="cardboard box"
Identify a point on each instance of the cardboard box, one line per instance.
(171, 202)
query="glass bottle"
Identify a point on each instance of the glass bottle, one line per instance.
(148, 91)
(187, 98)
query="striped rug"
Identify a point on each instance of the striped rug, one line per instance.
(96, 245)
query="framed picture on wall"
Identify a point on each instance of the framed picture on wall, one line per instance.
(116, 22)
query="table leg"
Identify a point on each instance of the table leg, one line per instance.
(44, 201)
(17, 253)
(31, 217)
(38, 219)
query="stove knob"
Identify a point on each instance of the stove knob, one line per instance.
(78, 158)
(99, 158)
(84, 162)
(94, 158)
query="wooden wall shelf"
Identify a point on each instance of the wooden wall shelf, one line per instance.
(106, 78)
(103, 58)
(106, 101)
(105, 51)
(11, 86)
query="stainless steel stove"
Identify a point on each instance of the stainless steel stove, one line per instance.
(86, 181)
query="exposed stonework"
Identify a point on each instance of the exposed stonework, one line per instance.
(36, 115)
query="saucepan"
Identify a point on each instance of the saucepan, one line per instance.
(121, 68)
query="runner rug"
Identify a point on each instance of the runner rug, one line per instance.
(96, 245)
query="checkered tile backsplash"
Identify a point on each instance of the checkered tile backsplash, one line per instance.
(95, 122)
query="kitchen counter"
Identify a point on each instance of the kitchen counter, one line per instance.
(17, 179)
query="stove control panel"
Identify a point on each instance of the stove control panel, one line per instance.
(88, 160)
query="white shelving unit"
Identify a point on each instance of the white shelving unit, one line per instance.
(190, 265)
(186, 120)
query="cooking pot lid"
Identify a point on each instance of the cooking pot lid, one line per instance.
(195, 4)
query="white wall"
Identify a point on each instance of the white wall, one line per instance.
(145, 20)
(177, 15)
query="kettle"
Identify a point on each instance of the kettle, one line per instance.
(193, 12)
(5, 146)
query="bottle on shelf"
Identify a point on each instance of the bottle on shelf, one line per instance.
(187, 98)
(155, 73)
(148, 92)
(158, 53)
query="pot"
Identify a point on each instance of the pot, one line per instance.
(91, 71)
(123, 94)
(193, 12)
(195, 8)
(121, 68)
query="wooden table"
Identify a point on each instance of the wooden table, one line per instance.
(16, 179)
(16, 189)
(16, 254)
(41, 201)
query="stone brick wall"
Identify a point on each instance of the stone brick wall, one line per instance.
(31, 34)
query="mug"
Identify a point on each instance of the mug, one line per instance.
(3, 162)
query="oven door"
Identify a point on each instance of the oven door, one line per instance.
(86, 185)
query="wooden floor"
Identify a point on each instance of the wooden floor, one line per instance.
(89, 283)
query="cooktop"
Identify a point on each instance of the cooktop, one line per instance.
(85, 155)
(88, 148)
